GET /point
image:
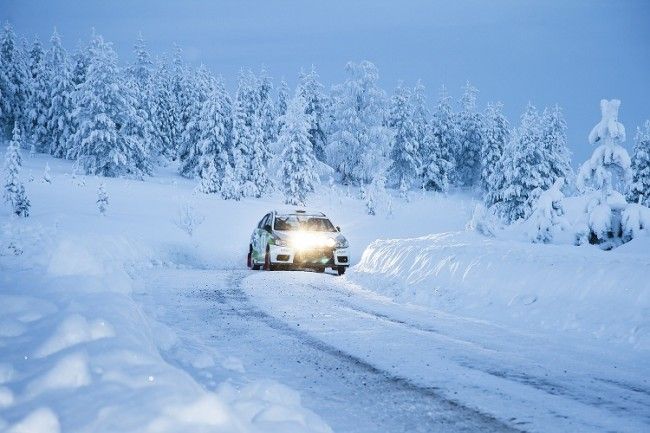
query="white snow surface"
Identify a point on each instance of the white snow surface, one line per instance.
(80, 352)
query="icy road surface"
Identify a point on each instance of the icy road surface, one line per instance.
(366, 364)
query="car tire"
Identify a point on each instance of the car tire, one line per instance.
(268, 266)
(340, 270)
(250, 262)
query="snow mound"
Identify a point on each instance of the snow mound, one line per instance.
(41, 420)
(74, 330)
(552, 287)
(70, 372)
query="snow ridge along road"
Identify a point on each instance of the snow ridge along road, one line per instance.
(366, 364)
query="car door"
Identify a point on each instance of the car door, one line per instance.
(264, 235)
(259, 241)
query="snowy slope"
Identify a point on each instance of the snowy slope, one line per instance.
(79, 353)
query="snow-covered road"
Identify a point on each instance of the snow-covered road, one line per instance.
(366, 364)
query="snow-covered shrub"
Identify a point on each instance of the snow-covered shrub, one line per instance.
(47, 177)
(188, 219)
(102, 199)
(548, 217)
(635, 219)
(484, 220)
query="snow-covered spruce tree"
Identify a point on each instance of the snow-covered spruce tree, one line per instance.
(39, 98)
(282, 102)
(527, 168)
(420, 116)
(297, 171)
(249, 151)
(267, 113)
(555, 142)
(108, 140)
(215, 127)
(164, 112)
(14, 190)
(360, 140)
(439, 141)
(496, 134)
(605, 178)
(470, 139)
(639, 191)
(140, 78)
(102, 199)
(311, 90)
(404, 158)
(199, 89)
(14, 82)
(59, 118)
(548, 216)
(230, 190)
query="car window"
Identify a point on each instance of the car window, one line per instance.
(307, 223)
(264, 221)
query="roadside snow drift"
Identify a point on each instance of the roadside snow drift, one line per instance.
(553, 287)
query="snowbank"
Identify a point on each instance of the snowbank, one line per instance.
(536, 287)
(77, 353)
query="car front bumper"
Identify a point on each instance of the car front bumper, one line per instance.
(317, 257)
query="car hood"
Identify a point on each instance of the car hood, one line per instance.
(287, 235)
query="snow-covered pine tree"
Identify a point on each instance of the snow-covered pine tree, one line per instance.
(439, 140)
(282, 102)
(555, 142)
(230, 190)
(39, 98)
(140, 79)
(163, 112)
(102, 199)
(360, 139)
(404, 152)
(496, 135)
(108, 140)
(605, 177)
(297, 171)
(59, 117)
(311, 90)
(14, 190)
(420, 117)
(250, 154)
(267, 114)
(548, 216)
(639, 191)
(470, 128)
(14, 82)
(215, 125)
(527, 168)
(199, 88)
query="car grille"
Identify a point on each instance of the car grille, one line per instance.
(318, 255)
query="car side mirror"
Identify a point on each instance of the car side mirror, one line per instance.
(268, 228)
(338, 229)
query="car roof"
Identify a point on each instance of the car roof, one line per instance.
(300, 212)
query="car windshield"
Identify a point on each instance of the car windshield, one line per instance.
(299, 222)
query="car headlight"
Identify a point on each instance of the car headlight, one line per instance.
(342, 243)
(280, 242)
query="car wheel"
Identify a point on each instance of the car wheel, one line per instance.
(249, 261)
(267, 261)
(340, 270)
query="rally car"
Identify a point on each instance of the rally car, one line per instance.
(298, 239)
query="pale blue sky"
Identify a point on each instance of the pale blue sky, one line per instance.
(571, 52)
